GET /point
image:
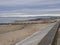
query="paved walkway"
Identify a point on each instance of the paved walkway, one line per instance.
(57, 38)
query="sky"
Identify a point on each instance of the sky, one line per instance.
(28, 7)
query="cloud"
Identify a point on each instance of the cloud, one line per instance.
(29, 7)
(28, 15)
(27, 2)
(17, 2)
(32, 11)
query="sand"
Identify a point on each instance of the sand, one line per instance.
(11, 37)
(8, 28)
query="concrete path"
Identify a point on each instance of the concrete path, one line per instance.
(57, 38)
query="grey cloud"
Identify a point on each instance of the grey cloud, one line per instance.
(29, 6)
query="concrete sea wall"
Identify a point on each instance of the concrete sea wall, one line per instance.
(42, 37)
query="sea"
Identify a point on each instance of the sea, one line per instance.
(12, 19)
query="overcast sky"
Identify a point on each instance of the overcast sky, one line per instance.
(18, 7)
